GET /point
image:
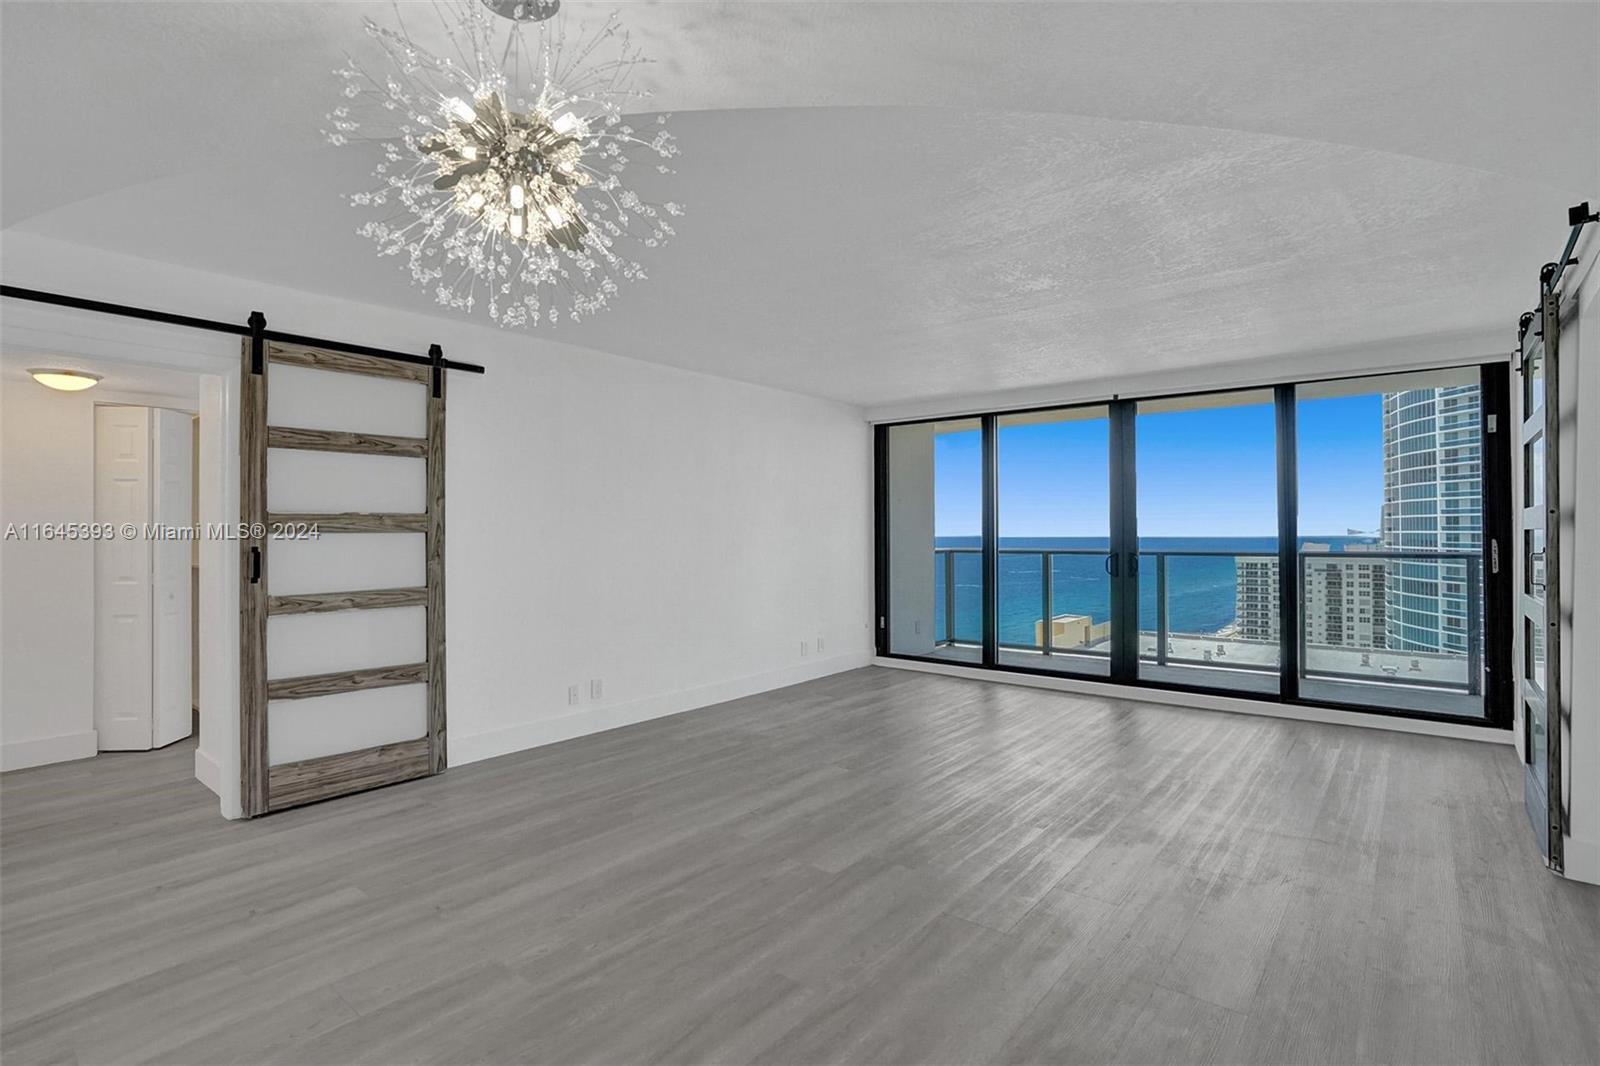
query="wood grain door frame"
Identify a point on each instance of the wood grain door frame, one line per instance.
(267, 788)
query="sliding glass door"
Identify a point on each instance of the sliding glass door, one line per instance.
(1208, 541)
(1391, 539)
(1327, 543)
(1052, 514)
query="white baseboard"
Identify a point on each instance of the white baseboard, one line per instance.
(478, 746)
(207, 772)
(1580, 860)
(1210, 702)
(21, 754)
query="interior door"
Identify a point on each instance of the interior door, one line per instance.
(1539, 597)
(342, 594)
(171, 463)
(122, 660)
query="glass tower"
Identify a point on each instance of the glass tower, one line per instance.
(1432, 501)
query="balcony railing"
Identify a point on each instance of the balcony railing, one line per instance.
(1044, 626)
(1250, 641)
(1457, 590)
(1233, 649)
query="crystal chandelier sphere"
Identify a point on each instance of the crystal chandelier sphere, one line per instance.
(503, 180)
(523, 9)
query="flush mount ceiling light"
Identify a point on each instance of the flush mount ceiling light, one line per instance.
(64, 380)
(503, 163)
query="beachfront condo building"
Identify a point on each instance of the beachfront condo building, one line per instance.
(1432, 501)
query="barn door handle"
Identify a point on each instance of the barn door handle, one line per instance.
(255, 565)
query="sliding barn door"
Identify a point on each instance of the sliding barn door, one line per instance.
(342, 605)
(1540, 598)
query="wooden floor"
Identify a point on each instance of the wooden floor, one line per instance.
(879, 866)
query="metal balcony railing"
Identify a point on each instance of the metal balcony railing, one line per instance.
(1451, 581)
(946, 561)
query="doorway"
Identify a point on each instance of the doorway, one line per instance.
(145, 655)
(49, 592)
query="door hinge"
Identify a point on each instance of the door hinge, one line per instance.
(1493, 422)
(1494, 556)
(881, 622)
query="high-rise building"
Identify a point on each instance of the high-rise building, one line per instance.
(1432, 501)
(1345, 602)
(1256, 597)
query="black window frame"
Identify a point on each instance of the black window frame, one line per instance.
(1497, 509)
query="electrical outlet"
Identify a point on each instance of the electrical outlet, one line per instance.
(804, 648)
(572, 696)
(916, 626)
(594, 689)
(819, 645)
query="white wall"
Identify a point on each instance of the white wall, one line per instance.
(674, 535)
(46, 588)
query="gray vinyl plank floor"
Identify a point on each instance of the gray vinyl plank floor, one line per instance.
(879, 866)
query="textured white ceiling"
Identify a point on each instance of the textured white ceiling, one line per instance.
(891, 201)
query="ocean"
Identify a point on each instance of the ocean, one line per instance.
(1201, 590)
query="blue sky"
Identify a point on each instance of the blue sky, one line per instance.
(1341, 464)
(1208, 473)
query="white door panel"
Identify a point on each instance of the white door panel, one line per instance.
(302, 398)
(172, 441)
(328, 725)
(302, 644)
(344, 562)
(324, 482)
(122, 638)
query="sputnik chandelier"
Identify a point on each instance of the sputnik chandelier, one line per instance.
(504, 159)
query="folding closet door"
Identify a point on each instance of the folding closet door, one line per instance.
(342, 606)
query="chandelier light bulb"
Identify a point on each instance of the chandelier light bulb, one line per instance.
(505, 181)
